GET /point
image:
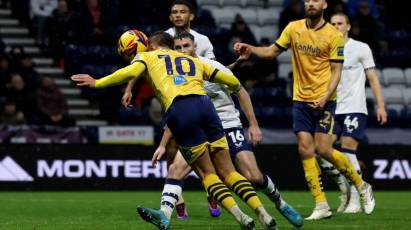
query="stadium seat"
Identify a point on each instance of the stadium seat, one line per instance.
(284, 70)
(224, 15)
(209, 2)
(285, 57)
(407, 73)
(249, 15)
(407, 96)
(256, 29)
(380, 77)
(238, 3)
(278, 3)
(393, 95)
(270, 32)
(369, 94)
(394, 77)
(254, 3)
(268, 16)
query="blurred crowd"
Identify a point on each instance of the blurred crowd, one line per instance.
(25, 96)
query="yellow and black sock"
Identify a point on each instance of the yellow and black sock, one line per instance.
(217, 189)
(313, 178)
(243, 188)
(343, 165)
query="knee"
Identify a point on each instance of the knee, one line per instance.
(323, 149)
(256, 178)
(176, 171)
(305, 151)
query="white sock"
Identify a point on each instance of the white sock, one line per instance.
(352, 156)
(331, 171)
(171, 194)
(269, 188)
(236, 212)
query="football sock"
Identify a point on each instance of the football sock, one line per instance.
(343, 165)
(332, 172)
(269, 188)
(216, 188)
(313, 178)
(352, 156)
(171, 193)
(243, 188)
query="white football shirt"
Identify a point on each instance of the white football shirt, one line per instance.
(221, 98)
(351, 89)
(204, 46)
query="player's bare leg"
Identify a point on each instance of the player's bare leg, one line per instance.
(179, 169)
(306, 149)
(177, 172)
(205, 169)
(341, 162)
(246, 163)
(241, 186)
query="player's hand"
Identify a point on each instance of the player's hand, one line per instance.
(255, 135)
(318, 104)
(160, 151)
(243, 50)
(126, 99)
(84, 80)
(381, 115)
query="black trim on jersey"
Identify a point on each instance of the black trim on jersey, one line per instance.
(324, 23)
(141, 61)
(213, 75)
(280, 47)
(322, 26)
(336, 60)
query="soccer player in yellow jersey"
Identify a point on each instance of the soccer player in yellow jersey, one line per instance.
(190, 115)
(317, 57)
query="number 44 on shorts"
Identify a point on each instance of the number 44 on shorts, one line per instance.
(351, 124)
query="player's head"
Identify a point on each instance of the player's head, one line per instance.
(184, 43)
(181, 14)
(314, 8)
(160, 39)
(341, 22)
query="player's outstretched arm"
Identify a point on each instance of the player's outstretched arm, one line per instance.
(161, 149)
(254, 132)
(376, 89)
(120, 76)
(227, 79)
(264, 52)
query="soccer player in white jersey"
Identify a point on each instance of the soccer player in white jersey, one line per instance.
(181, 16)
(240, 149)
(351, 112)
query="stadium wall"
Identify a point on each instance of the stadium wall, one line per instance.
(128, 167)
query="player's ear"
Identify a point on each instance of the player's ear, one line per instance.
(325, 5)
(348, 27)
(191, 17)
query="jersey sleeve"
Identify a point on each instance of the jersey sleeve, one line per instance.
(367, 60)
(212, 74)
(123, 75)
(284, 41)
(337, 49)
(141, 57)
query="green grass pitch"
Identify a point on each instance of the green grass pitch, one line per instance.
(117, 210)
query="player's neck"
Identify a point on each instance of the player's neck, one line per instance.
(182, 29)
(346, 38)
(315, 23)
